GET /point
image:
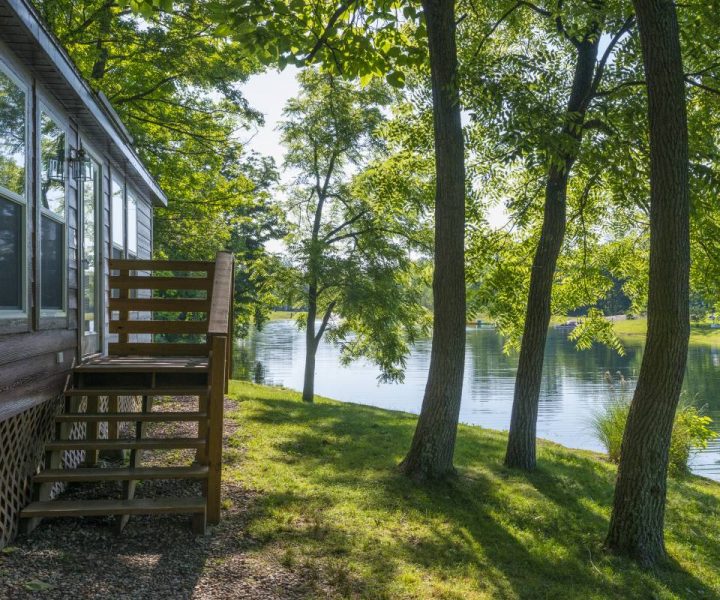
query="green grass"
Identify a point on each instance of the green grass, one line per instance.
(699, 333)
(331, 505)
(277, 315)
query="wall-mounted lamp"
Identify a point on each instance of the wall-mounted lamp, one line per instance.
(80, 165)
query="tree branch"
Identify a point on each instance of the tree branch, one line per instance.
(334, 18)
(339, 228)
(599, 72)
(325, 321)
(702, 86)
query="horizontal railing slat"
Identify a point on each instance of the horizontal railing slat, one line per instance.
(139, 349)
(158, 326)
(160, 283)
(165, 304)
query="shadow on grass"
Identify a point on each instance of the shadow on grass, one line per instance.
(490, 530)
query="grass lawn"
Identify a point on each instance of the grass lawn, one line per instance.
(330, 505)
(277, 315)
(699, 333)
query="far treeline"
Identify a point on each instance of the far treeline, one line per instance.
(590, 128)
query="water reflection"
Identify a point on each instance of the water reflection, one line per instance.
(573, 388)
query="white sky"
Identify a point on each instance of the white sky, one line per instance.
(268, 93)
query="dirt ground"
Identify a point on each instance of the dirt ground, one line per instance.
(155, 557)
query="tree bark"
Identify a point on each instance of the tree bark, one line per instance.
(520, 451)
(636, 525)
(308, 394)
(103, 54)
(433, 445)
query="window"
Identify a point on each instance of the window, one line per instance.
(52, 215)
(131, 224)
(118, 219)
(13, 152)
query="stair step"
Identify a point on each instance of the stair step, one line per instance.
(159, 391)
(93, 508)
(126, 444)
(131, 416)
(100, 474)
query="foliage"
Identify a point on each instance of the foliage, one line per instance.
(175, 83)
(330, 504)
(691, 430)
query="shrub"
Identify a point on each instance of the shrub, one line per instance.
(691, 431)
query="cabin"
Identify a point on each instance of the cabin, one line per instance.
(81, 353)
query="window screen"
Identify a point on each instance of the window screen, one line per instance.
(53, 169)
(52, 243)
(11, 223)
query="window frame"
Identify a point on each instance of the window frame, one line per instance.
(49, 318)
(13, 320)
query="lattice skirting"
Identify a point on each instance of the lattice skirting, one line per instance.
(22, 443)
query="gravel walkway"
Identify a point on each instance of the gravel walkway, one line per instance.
(156, 557)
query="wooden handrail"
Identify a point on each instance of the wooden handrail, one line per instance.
(221, 303)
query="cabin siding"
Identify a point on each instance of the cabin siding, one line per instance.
(37, 353)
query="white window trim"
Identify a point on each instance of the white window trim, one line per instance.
(44, 212)
(21, 199)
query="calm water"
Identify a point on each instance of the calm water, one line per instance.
(573, 387)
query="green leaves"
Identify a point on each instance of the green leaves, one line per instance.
(395, 79)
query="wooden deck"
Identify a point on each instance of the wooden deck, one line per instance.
(168, 344)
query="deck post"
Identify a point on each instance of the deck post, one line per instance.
(218, 361)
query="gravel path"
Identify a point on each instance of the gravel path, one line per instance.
(156, 557)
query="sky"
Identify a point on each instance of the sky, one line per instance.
(268, 93)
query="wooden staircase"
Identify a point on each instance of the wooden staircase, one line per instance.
(182, 358)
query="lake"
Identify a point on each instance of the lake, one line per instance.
(574, 387)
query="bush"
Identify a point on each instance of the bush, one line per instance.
(691, 431)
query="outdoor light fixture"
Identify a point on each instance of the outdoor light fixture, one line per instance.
(80, 166)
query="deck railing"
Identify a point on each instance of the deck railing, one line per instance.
(162, 308)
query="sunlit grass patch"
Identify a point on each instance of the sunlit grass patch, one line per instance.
(332, 504)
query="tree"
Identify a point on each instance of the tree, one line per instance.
(523, 424)
(349, 245)
(433, 445)
(184, 118)
(540, 127)
(636, 524)
(365, 39)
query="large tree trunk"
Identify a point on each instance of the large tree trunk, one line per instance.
(310, 346)
(433, 445)
(102, 52)
(636, 526)
(523, 424)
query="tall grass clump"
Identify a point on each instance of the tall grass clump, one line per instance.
(691, 431)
